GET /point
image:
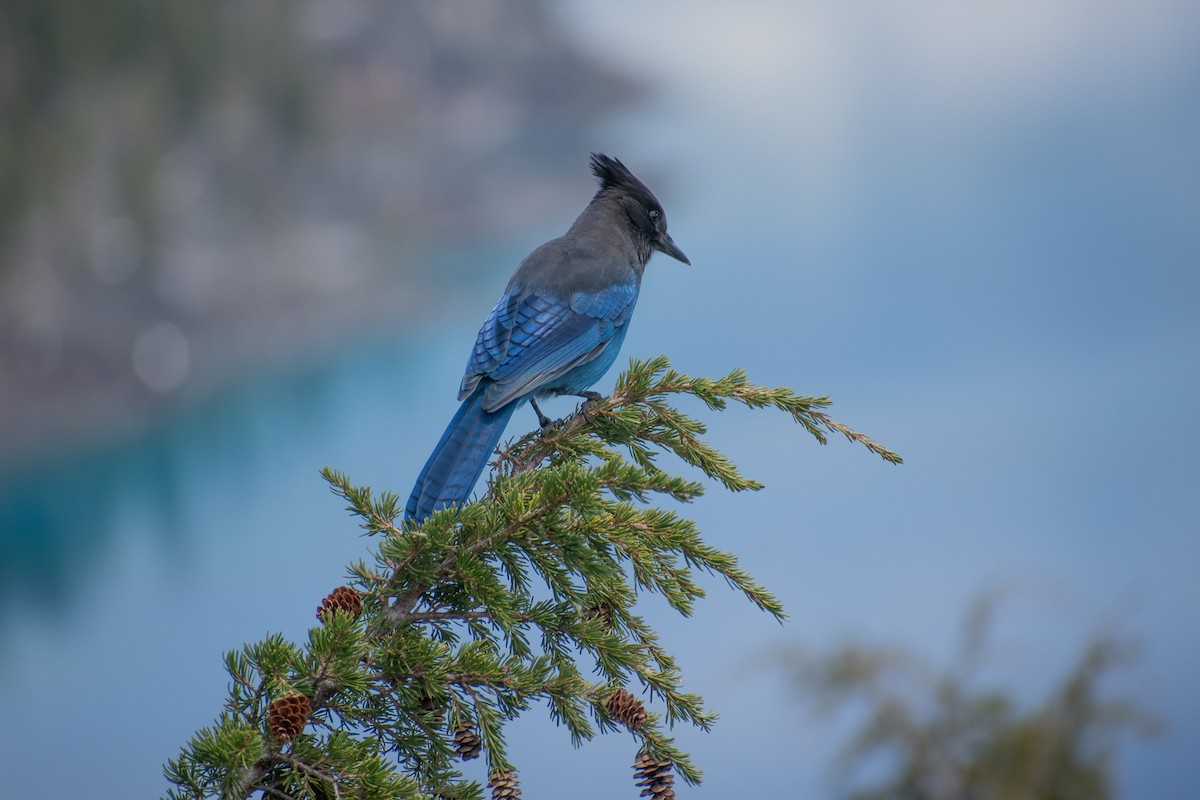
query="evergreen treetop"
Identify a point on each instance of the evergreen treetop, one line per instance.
(453, 628)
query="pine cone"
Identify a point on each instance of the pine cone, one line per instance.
(602, 612)
(655, 775)
(505, 785)
(287, 716)
(467, 741)
(433, 708)
(343, 598)
(626, 709)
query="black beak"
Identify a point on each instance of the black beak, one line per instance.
(666, 245)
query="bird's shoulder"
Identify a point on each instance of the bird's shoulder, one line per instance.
(564, 266)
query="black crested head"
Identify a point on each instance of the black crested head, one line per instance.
(645, 213)
(615, 175)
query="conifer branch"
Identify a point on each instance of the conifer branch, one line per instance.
(456, 626)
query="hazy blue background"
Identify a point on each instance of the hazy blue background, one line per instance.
(976, 226)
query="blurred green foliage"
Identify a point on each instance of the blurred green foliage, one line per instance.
(259, 181)
(925, 734)
(124, 80)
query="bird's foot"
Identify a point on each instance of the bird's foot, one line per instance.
(590, 399)
(543, 420)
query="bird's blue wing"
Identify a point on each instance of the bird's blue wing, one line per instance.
(528, 342)
(491, 343)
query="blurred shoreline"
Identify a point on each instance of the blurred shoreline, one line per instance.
(198, 195)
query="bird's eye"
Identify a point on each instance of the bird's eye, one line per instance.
(655, 214)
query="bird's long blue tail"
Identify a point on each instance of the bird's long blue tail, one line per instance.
(459, 458)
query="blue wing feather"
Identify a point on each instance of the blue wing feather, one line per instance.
(528, 342)
(614, 303)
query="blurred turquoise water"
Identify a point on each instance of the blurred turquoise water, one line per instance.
(144, 560)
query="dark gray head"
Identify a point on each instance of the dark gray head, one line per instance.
(646, 217)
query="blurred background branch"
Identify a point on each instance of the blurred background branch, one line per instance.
(923, 733)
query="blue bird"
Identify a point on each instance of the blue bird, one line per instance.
(556, 330)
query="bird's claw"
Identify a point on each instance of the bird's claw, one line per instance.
(590, 399)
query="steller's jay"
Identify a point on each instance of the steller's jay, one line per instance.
(556, 329)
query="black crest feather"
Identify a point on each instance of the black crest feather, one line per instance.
(612, 174)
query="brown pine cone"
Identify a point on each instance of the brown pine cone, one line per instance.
(626, 709)
(602, 612)
(436, 711)
(287, 716)
(467, 741)
(655, 775)
(343, 598)
(505, 785)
